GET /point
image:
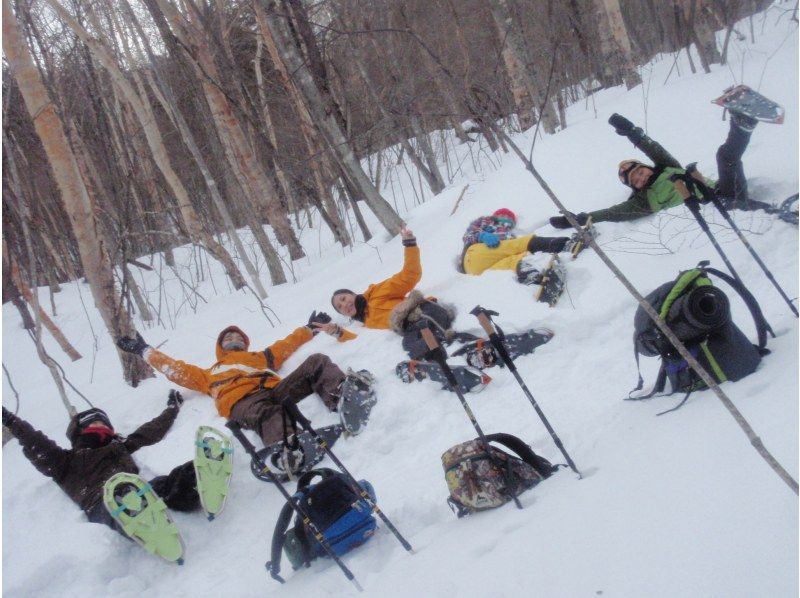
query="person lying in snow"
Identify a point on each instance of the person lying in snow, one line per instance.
(98, 453)
(653, 190)
(244, 384)
(395, 304)
(490, 244)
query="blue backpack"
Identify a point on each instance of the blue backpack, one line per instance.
(345, 519)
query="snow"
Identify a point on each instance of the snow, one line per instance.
(679, 505)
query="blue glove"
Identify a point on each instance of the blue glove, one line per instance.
(491, 240)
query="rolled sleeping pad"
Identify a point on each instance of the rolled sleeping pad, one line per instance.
(701, 310)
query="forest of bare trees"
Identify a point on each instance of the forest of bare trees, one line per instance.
(131, 127)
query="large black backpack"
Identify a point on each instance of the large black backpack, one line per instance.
(342, 516)
(699, 315)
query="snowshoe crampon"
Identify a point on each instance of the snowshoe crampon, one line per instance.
(356, 399)
(481, 354)
(213, 466)
(469, 379)
(312, 454)
(143, 516)
(553, 282)
(749, 102)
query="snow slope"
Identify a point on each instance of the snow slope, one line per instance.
(678, 505)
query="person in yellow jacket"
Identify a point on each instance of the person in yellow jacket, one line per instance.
(244, 384)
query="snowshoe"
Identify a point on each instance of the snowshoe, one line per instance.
(577, 243)
(481, 354)
(213, 466)
(143, 516)
(743, 100)
(553, 282)
(356, 399)
(311, 454)
(788, 210)
(469, 379)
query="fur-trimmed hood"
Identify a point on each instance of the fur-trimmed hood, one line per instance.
(416, 307)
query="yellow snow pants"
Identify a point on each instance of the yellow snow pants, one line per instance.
(479, 257)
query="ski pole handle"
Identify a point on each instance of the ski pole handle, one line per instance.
(429, 339)
(682, 189)
(485, 323)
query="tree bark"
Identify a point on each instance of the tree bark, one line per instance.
(319, 105)
(144, 114)
(92, 248)
(615, 45)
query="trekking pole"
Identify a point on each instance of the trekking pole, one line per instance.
(293, 411)
(693, 203)
(496, 337)
(251, 450)
(707, 193)
(439, 355)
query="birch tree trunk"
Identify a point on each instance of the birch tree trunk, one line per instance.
(92, 248)
(144, 114)
(519, 64)
(319, 102)
(615, 46)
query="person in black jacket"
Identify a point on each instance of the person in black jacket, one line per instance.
(98, 453)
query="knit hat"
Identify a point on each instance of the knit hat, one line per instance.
(505, 213)
(83, 419)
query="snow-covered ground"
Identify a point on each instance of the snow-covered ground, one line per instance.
(679, 505)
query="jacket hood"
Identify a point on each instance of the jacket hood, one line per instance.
(416, 307)
(222, 352)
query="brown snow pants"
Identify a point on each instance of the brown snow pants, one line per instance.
(261, 411)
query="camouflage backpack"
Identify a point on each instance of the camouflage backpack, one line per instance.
(475, 481)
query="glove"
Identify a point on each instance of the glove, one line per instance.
(175, 399)
(491, 240)
(562, 222)
(625, 128)
(8, 417)
(317, 318)
(133, 345)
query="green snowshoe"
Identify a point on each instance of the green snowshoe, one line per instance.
(143, 516)
(213, 466)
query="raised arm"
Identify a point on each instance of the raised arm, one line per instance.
(45, 455)
(154, 430)
(187, 375)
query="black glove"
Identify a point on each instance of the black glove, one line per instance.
(562, 222)
(8, 417)
(175, 399)
(625, 128)
(317, 318)
(133, 345)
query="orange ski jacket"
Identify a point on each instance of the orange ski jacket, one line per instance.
(236, 374)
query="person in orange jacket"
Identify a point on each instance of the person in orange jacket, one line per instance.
(374, 306)
(395, 304)
(244, 384)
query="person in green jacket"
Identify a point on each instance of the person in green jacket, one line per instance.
(653, 190)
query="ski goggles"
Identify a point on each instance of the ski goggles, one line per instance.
(84, 418)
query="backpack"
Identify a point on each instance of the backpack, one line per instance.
(474, 481)
(699, 315)
(344, 519)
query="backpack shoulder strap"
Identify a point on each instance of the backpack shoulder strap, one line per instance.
(511, 442)
(278, 539)
(752, 305)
